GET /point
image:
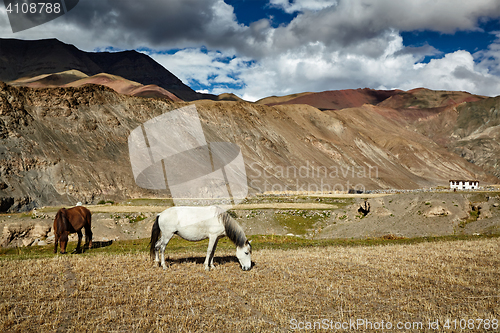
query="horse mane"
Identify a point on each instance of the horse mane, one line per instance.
(61, 218)
(233, 230)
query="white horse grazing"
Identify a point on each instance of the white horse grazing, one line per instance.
(195, 224)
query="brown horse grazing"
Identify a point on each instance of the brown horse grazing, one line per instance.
(72, 220)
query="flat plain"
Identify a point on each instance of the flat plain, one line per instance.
(410, 286)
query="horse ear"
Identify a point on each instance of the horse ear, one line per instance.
(249, 241)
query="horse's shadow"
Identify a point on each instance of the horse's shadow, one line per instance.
(95, 245)
(201, 260)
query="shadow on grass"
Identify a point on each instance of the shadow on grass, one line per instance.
(98, 244)
(200, 260)
(222, 260)
(95, 245)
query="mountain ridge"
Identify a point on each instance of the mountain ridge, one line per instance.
(29, 58)
(75, 78)
(333, 99)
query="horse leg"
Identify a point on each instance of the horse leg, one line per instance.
(213, 253)
(160, 246)
(88, 237)
(63, 239)
(212, 244)
(80, 235)
(56, 241)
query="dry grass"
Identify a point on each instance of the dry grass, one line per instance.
(124, 293)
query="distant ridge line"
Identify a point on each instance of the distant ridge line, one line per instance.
(29, 58)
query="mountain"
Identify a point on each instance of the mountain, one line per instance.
(470, 130)
(333, 99)
(476, 133)
(422, 99)
(74, 78)
(30, 58)
(68, 142)
(458, 122)
(64, 145)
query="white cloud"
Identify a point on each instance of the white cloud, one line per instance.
(208, 68)
(489, 59)
(302, 5)
(190, 23)
(455, 71)
(351, 22)
(301, 71)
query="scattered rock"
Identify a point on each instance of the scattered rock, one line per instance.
(27, 241)
(40, 231)
(437, 211)
(50, 239)
(364, 208)
(23, 234)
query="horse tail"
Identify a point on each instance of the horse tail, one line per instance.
(155, 235)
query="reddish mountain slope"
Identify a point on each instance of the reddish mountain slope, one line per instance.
(455, 122)
(336, 99)
(422, 98)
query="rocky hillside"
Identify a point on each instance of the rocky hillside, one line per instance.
(461, 123)
(64, 145)
(471, 131)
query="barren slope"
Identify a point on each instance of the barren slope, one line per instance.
(459, 122)
(402, 153)
(333, 99)
(464, 124)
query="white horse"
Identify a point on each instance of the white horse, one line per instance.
(195, 224)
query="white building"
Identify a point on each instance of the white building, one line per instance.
(464, 184)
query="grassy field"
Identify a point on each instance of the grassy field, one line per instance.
(294, 284)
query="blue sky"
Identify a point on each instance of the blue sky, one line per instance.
(258, 48)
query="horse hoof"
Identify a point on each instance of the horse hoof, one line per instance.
(207, 268)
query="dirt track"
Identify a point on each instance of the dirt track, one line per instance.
(155, 209)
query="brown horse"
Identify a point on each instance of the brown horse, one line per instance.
(72, 220)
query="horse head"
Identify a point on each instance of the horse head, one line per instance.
(244, 253)
(60, 229)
